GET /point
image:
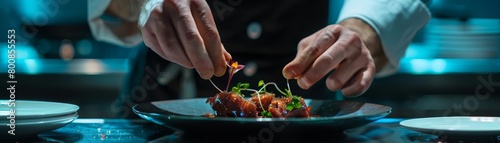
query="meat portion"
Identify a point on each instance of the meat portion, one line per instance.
(278, 108)
(265, 98)
(228, 104)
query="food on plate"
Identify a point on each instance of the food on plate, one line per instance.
(261, 103)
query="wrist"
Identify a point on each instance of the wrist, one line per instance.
(126, 10)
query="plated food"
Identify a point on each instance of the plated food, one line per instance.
(261, 103)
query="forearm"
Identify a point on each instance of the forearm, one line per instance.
(126, 10)
(370, 38)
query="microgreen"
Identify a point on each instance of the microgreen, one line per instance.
(288, 93)
(240, 86)
(266, 113)
(295, 104)
(235, 67)
(261, 83)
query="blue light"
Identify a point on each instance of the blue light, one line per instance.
(22, 51)
(32, 66)
(389, 120)
(433, 66)
(419, 65)
(84, 47)
(411, 52)
(438, 65)
(28, 9)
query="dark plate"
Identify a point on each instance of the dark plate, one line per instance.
(330, 115)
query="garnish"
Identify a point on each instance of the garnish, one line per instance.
(266, 113)
(233, 68)
(240, 86)
(288, 93)
(261, 83)
(295, 104)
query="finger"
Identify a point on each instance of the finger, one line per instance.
(360, 83)
(190, 38)
(168, 40)
(208, 31)
(307, 41)
(300, 48)
(303, 61)
(344, 72)
(227, 55)
(150, 38)
(326, 62)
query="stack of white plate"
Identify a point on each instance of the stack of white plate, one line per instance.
(34, 117)
(472, 38)
(457, 127)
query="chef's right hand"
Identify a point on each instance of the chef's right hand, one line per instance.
(184, 32)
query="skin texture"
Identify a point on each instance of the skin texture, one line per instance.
(184, 32)
(349, 47)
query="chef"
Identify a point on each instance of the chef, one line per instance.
(190, 41)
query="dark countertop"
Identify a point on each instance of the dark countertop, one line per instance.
(122, 130)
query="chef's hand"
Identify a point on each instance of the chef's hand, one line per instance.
(348, 48)
(184, 32)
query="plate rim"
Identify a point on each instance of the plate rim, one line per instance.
(425, 129)
(72, 107)
(263, 120)
(67, 120)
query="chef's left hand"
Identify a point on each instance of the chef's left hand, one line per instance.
(342, 47)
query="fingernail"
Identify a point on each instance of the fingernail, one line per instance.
(303, 83)
(288, 74)
(220, 72)
(333, 86)
(205, 75)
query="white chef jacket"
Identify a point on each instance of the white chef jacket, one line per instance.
(395, 21)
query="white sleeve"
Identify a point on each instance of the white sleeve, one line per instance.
(395, 21)
(101, 29)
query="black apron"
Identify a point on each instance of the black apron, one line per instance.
(283, 24)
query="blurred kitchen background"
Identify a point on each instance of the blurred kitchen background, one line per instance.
(443, 73)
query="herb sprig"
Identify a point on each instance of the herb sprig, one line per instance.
(235, 67)
(239, 87)
(295, 104)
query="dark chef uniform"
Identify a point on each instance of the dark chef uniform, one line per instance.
(261, 34)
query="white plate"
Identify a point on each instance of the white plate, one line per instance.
(37, 120)
(26, 109)
(33, 127)
(456, 126)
